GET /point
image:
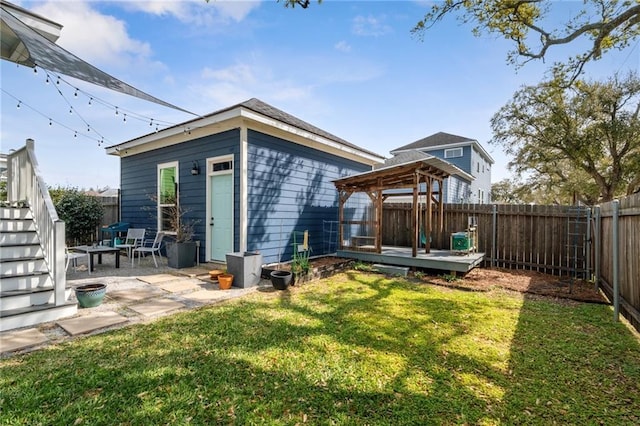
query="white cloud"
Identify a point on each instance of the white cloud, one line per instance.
(342, 46)
(242, 81)
(94, 37)
(199, 12)
(370, 26)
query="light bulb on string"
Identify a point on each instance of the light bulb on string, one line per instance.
(71, 110)
(75, 135)
(18, 106)
(90, 101)
(116, 110)
(50, 122)
(58, 81)
(47, 81)
(88, 128)
(125, 118)
(151, 123)
(35, 70)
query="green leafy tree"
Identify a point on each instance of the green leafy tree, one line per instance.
(603, 24)
(3, 190)
(81, 213)
(577, 143)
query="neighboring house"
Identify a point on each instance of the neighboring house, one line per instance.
(465, 153)
(248, 176)
(3, 167)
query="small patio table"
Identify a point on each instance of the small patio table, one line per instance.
(99, 250)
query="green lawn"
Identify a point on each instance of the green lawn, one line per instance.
(357, 349)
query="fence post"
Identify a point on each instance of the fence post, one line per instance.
(494, 213)
(597, 247)
(616, 283)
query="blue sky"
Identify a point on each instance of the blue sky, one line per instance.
(351, 68)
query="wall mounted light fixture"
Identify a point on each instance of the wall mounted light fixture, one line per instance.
(195, 169)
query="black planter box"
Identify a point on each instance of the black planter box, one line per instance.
(181, 255)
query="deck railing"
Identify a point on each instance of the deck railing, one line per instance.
(25, 185)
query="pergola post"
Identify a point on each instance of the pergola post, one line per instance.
(415, 211)
(441, 212)
(427, 214)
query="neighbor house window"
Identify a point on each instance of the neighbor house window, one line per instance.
(167, 196)
(453, 153)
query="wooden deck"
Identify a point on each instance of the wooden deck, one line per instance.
(443, 260)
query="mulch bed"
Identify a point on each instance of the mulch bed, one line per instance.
(482, 279)
(531, 282)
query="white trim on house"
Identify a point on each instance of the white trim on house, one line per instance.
(237, 118)
(474, 143)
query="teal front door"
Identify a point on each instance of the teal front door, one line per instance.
(221, 220)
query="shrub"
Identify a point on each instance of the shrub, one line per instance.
(81, 213)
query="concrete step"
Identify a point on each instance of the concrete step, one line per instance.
(25, 317)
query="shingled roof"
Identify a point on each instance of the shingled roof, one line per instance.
(259, 107)
(437, 139)
(263, 108)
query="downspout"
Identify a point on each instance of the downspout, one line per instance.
(244, 185)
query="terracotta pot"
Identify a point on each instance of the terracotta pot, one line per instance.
(225, 281)
(214, 274)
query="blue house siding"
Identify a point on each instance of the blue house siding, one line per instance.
(290, 190)
(463, 162)
(138, 174)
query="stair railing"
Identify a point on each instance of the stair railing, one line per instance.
(25, 184)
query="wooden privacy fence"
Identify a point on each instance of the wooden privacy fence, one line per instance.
(600, 243)
(549, 239)
(111, 213)
(617, 255)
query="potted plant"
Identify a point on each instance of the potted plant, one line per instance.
(181, 252)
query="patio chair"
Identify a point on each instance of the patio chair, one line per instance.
(153, 249)
(134, 238)
(72, 257)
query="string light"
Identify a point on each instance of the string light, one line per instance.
(90, 100)
(47, 81)
(125, 118)
(76, 93)
(58, 81)
(116, 110)
(19, 104)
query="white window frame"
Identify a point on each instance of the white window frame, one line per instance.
(453, 152)
(159, 198)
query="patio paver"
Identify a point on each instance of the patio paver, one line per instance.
(15, 340)
(157, 307)
(91, 322)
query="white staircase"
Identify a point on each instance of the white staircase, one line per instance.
(27, 294)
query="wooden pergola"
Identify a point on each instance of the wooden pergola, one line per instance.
(419, 175)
